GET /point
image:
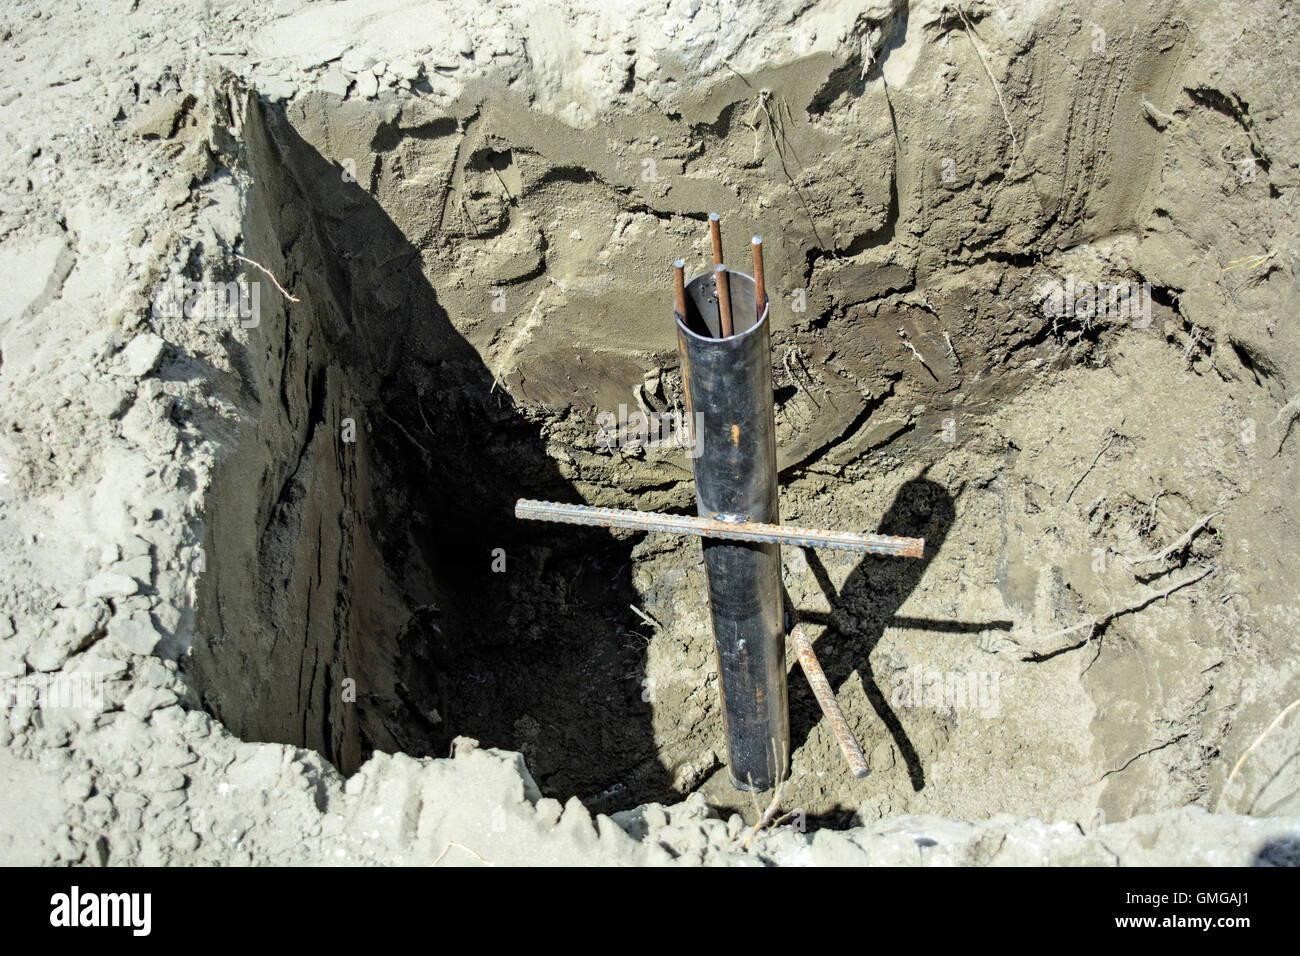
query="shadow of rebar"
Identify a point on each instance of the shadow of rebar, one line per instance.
(861, 610)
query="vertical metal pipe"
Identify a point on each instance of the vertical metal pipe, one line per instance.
(729, 392)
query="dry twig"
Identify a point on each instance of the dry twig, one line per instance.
(1249, 750)
(773, 806)
(970, 35)
(453, 843)
(1290, 411)
(794, 378)
(1111, 435)
(1149, 750)
(1178, 546)
(1093, 624)
(269, 273)
(646, 617)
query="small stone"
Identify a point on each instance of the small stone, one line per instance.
(48, 653)
(354, 61)
(274, 88)
(166, 617)
(109, 585)
(171, 756)
(143, 702)
(107, 400)
(324, 53)
(160, 118)
(153, 673)
(406, 70)
(87, 621)
(169, 800)
(99, 662)
(137, 605)
(100, 807)
(140, 568)
(165, 781)
(140, 356)
(135, 546)
(67, 633)
(135, 633)
(334, 82)
(77, 787)
(73, 596)
(367, 85)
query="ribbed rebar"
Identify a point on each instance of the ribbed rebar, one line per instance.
(821, 688)
(715, 528)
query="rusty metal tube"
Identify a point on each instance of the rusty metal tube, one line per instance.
(679, 287)
(729, 392)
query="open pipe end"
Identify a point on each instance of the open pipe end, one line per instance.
(703, 318)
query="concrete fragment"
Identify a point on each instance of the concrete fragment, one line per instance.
(140, 568)
(276, 89)
(31, 276)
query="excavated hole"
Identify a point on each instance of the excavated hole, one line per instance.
(368, 588)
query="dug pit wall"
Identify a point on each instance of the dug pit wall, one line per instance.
(409, 227)
(360, 537)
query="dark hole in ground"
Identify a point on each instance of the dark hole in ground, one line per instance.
(377, 594)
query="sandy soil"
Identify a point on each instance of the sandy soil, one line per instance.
(263, 596)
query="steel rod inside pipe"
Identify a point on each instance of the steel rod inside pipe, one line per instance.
(721, 283)
(715, 235)
(760, 286)
(679, 287)
(724, 300)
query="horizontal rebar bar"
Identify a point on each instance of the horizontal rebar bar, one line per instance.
(714, 528)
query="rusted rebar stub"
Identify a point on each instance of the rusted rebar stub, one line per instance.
(821, 689)
(679, 287)
(729, 392)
